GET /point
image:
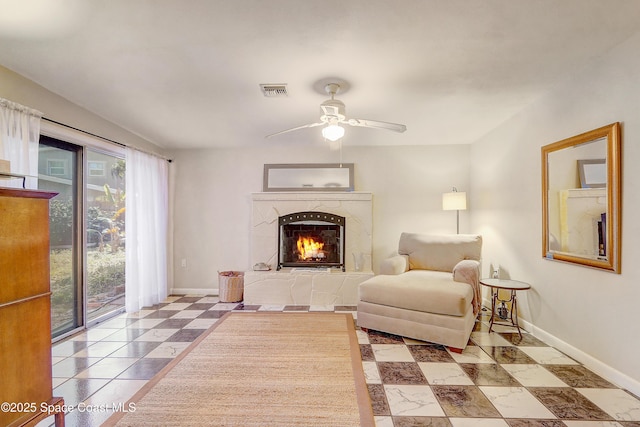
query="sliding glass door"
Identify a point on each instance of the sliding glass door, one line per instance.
(87, 232)
(105, 199)
(59, 166)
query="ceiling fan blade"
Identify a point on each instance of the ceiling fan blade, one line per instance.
(395, 127)
(329, 110)
(310, 125)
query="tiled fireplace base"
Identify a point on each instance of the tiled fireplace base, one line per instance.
(303, 287)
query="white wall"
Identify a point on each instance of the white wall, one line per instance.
(213, 187)
(17, 88)
(590, 314)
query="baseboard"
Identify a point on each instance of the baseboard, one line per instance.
(193, 291)
(605, 371)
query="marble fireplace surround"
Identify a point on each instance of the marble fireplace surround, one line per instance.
(304, 287)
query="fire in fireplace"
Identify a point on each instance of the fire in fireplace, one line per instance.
(311, 239)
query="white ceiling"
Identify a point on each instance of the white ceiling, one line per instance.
(186, 73)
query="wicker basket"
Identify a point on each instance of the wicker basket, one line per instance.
(230, 286)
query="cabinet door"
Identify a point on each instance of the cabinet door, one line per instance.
(25, 345)
(24, 247)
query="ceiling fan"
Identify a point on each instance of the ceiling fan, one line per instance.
(333, 116)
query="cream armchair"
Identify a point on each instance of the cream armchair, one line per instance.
(430, 291)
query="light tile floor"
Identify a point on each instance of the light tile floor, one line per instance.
(498, 380)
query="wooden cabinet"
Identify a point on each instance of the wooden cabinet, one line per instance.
(25, 308)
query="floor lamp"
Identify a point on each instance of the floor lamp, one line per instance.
(455, 201)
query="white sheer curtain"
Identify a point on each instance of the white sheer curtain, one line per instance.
(19, 136)
(147, 185)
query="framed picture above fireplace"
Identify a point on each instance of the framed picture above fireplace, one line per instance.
(308, 177)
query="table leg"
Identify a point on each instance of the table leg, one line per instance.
(514, 310)
(494, 297)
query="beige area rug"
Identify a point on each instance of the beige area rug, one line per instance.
(261, 369)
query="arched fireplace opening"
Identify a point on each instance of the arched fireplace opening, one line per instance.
(311, 240)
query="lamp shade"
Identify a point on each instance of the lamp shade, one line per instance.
(333, 132)
(454, 201)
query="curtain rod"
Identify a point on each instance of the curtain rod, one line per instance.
(105, 139)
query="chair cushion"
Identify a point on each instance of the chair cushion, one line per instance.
(419, 290)
(441, 253)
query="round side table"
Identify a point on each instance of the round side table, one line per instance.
(501, 311)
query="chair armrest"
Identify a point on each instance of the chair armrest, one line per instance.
(468, 271)
(395, 265)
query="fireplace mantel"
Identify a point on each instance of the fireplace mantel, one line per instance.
(313, 196)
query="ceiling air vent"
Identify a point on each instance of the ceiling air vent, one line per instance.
(274, 90)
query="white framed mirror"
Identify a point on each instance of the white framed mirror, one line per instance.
(581, 199)
(308, 177)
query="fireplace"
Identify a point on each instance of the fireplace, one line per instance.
(311, 239)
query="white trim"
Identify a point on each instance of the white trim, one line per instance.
(313, 196)
(607, 372)
(95, 187)
(77, 137)
(53, 178)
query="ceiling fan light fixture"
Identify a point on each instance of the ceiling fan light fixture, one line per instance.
(333, 132)
(332, 115)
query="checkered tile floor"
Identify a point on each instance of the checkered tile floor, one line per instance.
(499, 379)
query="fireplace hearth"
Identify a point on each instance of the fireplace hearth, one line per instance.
(311, 240)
